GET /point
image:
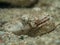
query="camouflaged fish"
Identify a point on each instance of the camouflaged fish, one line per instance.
(31, 25)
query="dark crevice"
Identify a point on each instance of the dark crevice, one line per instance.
(4, 5)
(9, 5)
